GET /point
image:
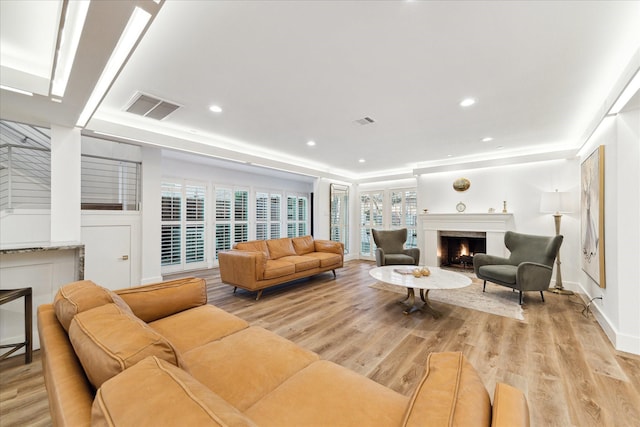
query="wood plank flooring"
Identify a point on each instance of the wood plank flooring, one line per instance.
(562, 360)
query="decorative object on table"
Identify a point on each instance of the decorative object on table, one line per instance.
(417, 272)
(504, 207)
(529, 266)
(424, 271)
(461, 184)
(557, 203)
(425, 210)
(460, 207)
(592, 216)
(492, 210)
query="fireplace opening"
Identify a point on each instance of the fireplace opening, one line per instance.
(457, 248)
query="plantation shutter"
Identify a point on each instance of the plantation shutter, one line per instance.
(195, 222)
(170, 241)
(223, 220)
(275, 207)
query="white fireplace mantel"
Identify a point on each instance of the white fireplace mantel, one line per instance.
(493, 224)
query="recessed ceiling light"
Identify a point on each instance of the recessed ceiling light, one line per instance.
(449, 155)
(361, 160)
(467, 102)
(311, 143)
(487, 139)
(215, 109)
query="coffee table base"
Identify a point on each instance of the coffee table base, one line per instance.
(411, 306)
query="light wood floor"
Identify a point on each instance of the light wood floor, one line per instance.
(562, 360)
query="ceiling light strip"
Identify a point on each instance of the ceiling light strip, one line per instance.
(69, 39)
(16, 90)
(632, 87)
(130, 35)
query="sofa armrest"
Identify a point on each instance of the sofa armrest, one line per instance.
(449, 393)
(158, 300)
(380, 257)
(532, 276)
(329, 246)
(238, 267)
(510, 407)
(68, 390)
(483, 259)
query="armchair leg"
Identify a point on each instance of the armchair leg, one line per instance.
(234, 289)
(520, 297)
(259, 295)
(484, 285)
(334, 273)
(542, 295)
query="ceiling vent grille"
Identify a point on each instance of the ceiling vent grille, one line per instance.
(365, 121)
(150, 106)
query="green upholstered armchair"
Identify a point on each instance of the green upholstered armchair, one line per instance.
(528, 267)
(390, 248)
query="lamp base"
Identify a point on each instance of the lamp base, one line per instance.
(560, 291)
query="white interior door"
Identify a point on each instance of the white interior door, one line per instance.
(108, 255)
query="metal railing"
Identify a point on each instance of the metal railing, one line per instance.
(25, 177)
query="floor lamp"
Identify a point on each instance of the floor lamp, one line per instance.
(557, 202)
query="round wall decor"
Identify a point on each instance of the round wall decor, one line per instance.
(461, 184)
(460, 207)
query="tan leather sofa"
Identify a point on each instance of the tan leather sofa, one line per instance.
(259, 264)
(159, 355)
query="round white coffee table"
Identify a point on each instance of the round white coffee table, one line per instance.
(399, 275)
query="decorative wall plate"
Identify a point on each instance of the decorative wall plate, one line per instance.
(460, 207)
(461, 184)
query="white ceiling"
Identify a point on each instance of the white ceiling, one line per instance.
(287, 72)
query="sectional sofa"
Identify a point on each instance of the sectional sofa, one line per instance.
(260, 264)
(159, 355)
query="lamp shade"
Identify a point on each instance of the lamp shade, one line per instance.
(555, 202)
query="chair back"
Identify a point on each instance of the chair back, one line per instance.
(532, 248)
(391, 241)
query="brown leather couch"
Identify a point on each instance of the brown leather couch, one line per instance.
(159, 355)
(259, 264)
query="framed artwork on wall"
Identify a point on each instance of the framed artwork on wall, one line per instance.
(592, 216)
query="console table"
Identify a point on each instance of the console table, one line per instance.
(7, 295)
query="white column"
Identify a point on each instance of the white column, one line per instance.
(65, 184)
(151, 214)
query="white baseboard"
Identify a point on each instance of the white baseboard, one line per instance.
(622, 342)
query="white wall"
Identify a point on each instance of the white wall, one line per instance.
(521, 187)
(618, 312)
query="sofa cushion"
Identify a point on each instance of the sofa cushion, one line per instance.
(198, 326)
(303, 245)
(326, 394)
(254, 245)
(108, 340)
(302, 263)
(76, 297)
(327, 259)
(280, 247)
(449, 393)
(162, 299)
(277, 268)
(244, 367)
(162, 395)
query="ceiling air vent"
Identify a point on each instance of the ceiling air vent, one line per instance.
(365, 121)
(149, 106)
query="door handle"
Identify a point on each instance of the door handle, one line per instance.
(124, 257)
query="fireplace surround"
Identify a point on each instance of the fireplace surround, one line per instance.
(433, 225)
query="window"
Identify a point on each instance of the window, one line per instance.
(183, 226)
(232, 218)
(339, 214)
(404, 213)
(268, 215)
(297, 216)
(371, 216)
